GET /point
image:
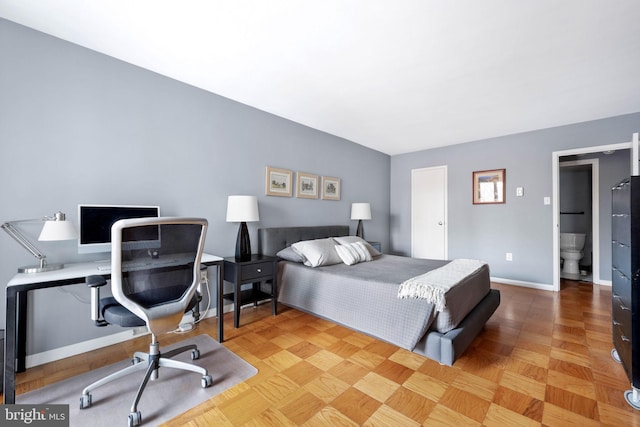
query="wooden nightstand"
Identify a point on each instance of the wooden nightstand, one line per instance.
(259, 269)
(377, 246)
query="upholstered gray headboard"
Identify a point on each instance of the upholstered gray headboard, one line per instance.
(272, 240)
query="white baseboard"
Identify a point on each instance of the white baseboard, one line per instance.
(533, 285)
(82, 347)
(540, 286)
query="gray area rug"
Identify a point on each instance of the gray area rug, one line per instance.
(172, 394)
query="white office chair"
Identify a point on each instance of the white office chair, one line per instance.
(155, 270)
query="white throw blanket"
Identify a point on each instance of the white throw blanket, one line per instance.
(434, 284)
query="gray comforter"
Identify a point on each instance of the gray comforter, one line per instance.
(364, 296)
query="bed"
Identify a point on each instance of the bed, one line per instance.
(364, 296)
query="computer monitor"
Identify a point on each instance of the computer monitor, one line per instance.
(95, 221)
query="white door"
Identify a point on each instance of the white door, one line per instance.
(429, 213)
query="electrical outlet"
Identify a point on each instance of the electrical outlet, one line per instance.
(203, 275)
(509, 256)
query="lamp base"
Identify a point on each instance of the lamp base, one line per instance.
(360, 230)
(243, 244)
(40, 269)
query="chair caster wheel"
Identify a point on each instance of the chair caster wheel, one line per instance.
(135, 419)
(206, 381)
(616, 356)
(195, 354)
(85, 401)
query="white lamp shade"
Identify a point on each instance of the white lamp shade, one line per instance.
(242, 209)
(58, 230)
(360, 211)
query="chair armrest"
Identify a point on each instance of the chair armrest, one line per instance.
(95, 283)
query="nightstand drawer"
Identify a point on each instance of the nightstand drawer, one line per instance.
(255, 271)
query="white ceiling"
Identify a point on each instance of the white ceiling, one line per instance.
(397, 76)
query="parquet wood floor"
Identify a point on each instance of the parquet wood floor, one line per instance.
(542, 360)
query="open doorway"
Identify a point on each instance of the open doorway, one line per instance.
(600, 229)
(579, 218)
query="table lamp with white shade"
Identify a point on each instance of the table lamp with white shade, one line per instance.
(243, 209)
(360, 212)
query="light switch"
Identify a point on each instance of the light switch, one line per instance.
(519, 191)
(547, 200)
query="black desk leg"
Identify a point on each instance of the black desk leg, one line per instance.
(21, 332)
(9, 392)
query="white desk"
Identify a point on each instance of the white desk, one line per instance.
(16, 324)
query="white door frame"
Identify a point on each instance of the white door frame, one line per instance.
(446, 213)
(555, 170)
(635, 154)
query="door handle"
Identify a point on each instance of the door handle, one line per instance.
(439, 222)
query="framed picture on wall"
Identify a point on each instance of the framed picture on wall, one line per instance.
(330, 188)
(306, 185)
(278, 182)
(489, 186)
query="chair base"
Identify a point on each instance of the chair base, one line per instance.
(154, 360)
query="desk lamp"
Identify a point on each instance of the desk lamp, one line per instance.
(360, 211)
(243, 209)
(55, 228)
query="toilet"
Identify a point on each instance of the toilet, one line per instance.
(571, 245)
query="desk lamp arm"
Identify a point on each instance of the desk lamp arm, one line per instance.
(12, 231)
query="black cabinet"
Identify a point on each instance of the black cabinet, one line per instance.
(625, 304)
(260, 271)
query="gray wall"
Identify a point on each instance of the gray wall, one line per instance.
(523, 225)
(77, 126)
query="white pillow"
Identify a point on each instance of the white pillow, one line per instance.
(353, 253)
(317, 252)
(345, 240)
(362, 250)
(289, 254)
